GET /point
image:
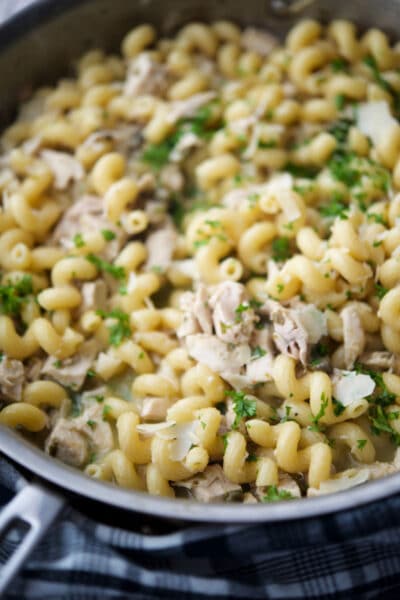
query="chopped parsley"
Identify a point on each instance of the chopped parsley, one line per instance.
(274, 495)
(225, 441)
(243, 406)
(14, 295)
(302, 171)
(57, 364)
(380, 291)
(281, 249)
(106, 267)
(340, 129)
(78, 240)
(350, 169)
(340, 101)
(371, 63)
(338, 407)
(336, 208)
(157, 155)
(339, 64)
(257, 352)
(361, 444)
(108, 235)
(315, 420)
(92, 424)
(118, 330)
(106, 410)
(318, 352)
(377, 218)
(267, 145)
(252, 458)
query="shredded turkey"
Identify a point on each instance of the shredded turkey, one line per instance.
(353, 335)
(94, 296)
(160, 248)
(72, 440)
(381, 360)
(67, 444)
(232, 315)
(171, 177)
(216, 354)
(257, 40)
(154, 408)
(289, 335)
(86, 215)
(12, 378)
(145, 76)
(188, 108)
(210, 486)
(72, 371)
(64, 167)
(196, 312)
(186, 143)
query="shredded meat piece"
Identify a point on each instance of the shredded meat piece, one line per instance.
(216, 354)
(289, 335)
(154, 409)
(211, 485)
(258, 41)
(172, 178)
(12, 378)
(72, 439)
(146, 76)
(73, 370)
(186, 143)
(197, 313)
(68, 444)
(65, 168)
(381, 360)
(353, 335)
(94, 296)
(160, 248)
(233, 317)
(87, 215)
(187, 108)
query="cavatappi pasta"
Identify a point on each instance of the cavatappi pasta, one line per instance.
(200, 264)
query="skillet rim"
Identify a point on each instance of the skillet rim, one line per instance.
(50, 469)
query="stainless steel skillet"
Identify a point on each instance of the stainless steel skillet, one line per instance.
(37, 46)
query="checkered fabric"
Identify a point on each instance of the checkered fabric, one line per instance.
(348, 556)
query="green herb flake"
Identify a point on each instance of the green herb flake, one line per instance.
(57, 364)
(118, 330)
(275, 495)
(339, 65)
(106, 410)
(92, 424)
(108, 235)
(361, 444)
(338, 407)
(257, 352)
(106, 267)
(340, 101)
(380, 290)
(78, 240)
(281, 249)
(315, 420)
(252, 458)
(243, 406)
(14, 295)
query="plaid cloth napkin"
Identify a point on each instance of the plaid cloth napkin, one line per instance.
(350, 555)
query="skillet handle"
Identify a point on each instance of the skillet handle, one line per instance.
(36, 507)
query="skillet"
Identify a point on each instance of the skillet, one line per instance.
(37, 46)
